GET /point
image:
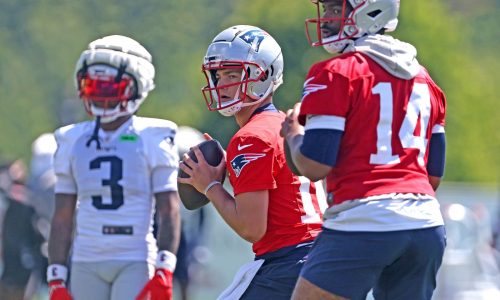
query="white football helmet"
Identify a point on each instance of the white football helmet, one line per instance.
(252, 50)
(366, 17)
(117, 73)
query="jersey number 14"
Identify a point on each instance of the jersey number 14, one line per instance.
(418, 105)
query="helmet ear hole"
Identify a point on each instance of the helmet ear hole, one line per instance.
(264, 78)
(80, 74)
(135, 94)
(247, 73)
(374, 13)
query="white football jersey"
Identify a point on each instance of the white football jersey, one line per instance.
(115, 185)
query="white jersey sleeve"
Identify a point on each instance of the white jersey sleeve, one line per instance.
(65, 139)
(161, 152)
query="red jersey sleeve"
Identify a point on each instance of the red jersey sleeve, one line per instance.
(250, 162)
(441, 107)
(324, 93)
(438, 102)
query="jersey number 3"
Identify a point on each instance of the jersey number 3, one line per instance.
(419, 105)
(116, 174)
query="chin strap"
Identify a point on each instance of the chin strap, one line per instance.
(95, 134)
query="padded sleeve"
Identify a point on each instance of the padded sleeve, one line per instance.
(437, 153)
(162, 155)
(322, 145)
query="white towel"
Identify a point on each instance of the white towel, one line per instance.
(241, 280)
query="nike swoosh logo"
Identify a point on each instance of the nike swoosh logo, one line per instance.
(240, 147)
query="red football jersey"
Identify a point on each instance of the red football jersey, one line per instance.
(387, 123)
(256, 161)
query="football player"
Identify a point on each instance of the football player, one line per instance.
(278, 212)
(111, 172)
(372, 122)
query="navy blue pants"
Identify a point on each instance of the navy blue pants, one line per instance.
(396, 264)
(278, 275)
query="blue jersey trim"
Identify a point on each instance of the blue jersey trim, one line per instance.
(263, 108)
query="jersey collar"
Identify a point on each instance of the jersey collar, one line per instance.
(263, 108)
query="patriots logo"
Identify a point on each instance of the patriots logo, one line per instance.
(253, 38)
(310, 88)
(240, 161)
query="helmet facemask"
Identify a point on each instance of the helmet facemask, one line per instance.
(357, 18)
(114, 76)
(106, 91)
(320, 32)
(216, 96)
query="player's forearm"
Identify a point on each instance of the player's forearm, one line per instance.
(169, 233)
(307, 167)
(169, 227)
(61, 229)
(226, 205)
(294, 143)
(434, 181)
(61, 235)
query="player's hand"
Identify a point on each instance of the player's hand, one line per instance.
(158, 288)
(58, 291)
(290, 126)
(208, 137)
(201, 174)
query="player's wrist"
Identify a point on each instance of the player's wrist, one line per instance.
(166, 260)
(57, 273)
(211, 185)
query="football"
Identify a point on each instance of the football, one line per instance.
(190, 197)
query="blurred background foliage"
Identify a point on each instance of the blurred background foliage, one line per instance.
(457, 40)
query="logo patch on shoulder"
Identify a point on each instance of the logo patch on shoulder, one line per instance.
(310, 88)
(241, 160)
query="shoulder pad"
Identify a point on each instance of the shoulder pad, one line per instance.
(155, 127)
(70, 133)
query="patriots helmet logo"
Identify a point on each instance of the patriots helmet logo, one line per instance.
(253, 37)
(241, 160)
(310, 88)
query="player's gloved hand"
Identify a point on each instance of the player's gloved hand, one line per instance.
(58, 291)
(56, 276)
(160, 286)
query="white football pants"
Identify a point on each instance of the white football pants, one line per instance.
(109, 280)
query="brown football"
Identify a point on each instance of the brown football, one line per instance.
(190, 197)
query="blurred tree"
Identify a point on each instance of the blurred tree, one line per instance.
(43, 39)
